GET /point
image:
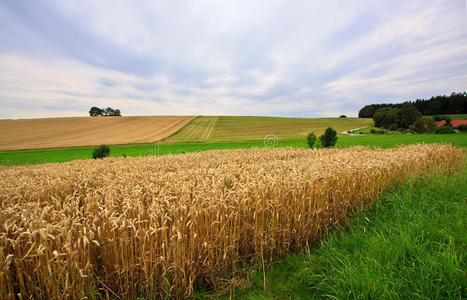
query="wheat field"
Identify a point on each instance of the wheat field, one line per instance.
(165, 226)
(87, 131)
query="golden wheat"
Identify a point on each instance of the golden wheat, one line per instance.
(158, 226)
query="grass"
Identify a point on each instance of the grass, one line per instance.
(391, 140)
(232, 128)
(410, 244)
(367, 130)
(25, 157)
(453, 116)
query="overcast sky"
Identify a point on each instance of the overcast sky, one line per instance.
(277, 58)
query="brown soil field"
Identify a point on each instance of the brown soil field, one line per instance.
(87, 131)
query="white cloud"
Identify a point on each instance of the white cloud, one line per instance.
(294, 58)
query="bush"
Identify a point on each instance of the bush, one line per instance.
(419, 126)
(447, 119)
(342, 116)
(462, 128)
(393, 127)
(311, 139)
(101, 152)
(377, 131)
(329, 138)
(437, 118)
(444, 130)
(431, 125)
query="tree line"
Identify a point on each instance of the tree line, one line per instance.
(104, 112)
(456, 103)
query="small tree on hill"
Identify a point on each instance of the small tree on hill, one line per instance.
(329, 138)
(104, 112)
(311, 139)
(95, 111)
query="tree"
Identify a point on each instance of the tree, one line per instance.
(311, 139)
(385, 117)
(431, 125)
(329, 138)
(104, 112)
(95, 112)
(342, 116)
(448, 120)
(419, 126)
(101, 152)
(108, 111)
(408, 114)
(368, 111)
(456, 103)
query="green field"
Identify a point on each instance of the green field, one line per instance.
(24, 157)
(227, 128)
(454, 116)
(410, 245)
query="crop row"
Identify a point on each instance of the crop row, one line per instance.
(158, 226)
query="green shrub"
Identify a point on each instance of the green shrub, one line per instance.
(394, 127)
(444, 130)
(377, 131)
(311, 139)
(437, 118)
(419, 126)
(381, 131)
(342, 116)
(430, 125)
(447, 119)
(462, 128)
(329, 138)
(101, 152)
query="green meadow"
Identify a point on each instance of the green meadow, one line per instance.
(26, 157)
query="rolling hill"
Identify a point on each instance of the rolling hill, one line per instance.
(230, 128)
(87, 131)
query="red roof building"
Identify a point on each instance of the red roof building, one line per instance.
(454, 123)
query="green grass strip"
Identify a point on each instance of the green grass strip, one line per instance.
(410, 245)
(26, 157)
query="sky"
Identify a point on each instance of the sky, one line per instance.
(267, 58)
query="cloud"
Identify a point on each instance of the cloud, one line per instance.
(282, 58)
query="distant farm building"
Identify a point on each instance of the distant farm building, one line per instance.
(454, 123)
